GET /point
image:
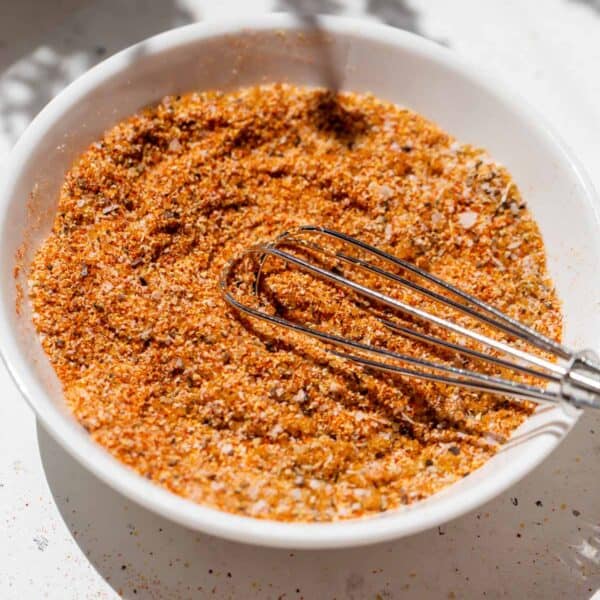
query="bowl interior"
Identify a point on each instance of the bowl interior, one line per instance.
(394, 66)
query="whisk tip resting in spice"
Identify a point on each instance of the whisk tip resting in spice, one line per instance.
(467, 342)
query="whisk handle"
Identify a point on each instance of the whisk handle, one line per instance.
(580, 385)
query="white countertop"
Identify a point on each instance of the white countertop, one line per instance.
(64, 535)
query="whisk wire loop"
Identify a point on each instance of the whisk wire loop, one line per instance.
(576, 380)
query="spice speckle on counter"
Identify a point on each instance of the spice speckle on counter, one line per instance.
(167, 378)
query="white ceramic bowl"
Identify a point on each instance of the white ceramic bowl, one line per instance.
(392, 64)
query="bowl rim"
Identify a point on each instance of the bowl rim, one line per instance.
(133, 486)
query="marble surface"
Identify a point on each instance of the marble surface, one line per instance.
(64, 535)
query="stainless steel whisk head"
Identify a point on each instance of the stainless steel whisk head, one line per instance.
(562, 375)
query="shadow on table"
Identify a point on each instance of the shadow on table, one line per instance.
(37, 63)
(397, 13)
(512, 543)
(593, 4)
(393, 12)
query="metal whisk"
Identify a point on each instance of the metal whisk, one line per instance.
(572, 377)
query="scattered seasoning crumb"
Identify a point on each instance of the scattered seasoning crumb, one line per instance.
(41, 541)
(160, 372)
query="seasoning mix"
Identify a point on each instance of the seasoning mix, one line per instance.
(228, 413)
